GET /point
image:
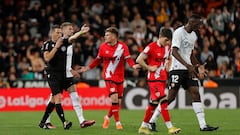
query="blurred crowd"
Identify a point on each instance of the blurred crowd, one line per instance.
(25, 25)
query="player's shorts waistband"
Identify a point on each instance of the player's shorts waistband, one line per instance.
(156, 80)
(113, 81)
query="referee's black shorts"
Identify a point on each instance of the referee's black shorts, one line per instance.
(57, 82)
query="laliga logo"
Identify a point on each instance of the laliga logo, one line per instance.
(2, 102)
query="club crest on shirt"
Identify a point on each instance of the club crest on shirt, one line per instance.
(112, 89)
(157, 94)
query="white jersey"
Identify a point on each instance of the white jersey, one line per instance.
(184, 41)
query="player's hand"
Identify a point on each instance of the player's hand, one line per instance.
(75, 74)
(202, 72)
(59, 43)
(152, 68)
(192, 71)
(85, 28)
(84, 69)
(136, 66)
(79, 69)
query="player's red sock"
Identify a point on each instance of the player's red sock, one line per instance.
(113, 107)
(164, 111)
(110, 112)
(149, 112)
(115, 111)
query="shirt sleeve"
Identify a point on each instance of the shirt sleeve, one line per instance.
(128, 57)
(47, 46)
(146, 50)
(97, 60)
(176, 41)
(95, 63)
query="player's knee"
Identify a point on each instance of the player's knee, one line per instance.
(114, 99)
(154, 103)
(163, 99)
(196, 99)
(170, 100)
(71, 89)
(171, 96)
(195, 96)
(57, 98)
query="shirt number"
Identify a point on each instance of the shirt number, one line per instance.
(175, 78)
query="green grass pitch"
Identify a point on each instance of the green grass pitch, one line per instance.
(26, 123)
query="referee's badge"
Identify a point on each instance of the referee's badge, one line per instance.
(63, 48)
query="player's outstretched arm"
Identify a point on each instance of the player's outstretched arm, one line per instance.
(84, 29)
(83, 69)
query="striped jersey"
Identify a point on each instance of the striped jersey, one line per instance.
(113, 58)
(157, 55)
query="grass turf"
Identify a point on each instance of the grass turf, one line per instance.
(26, 123)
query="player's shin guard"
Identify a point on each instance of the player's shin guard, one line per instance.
(115, 111)
(77, 106)
(166, 115)
(149, 112)
(109, 115)
(60, 112)
(48, 111)
(198, 109)
(49, 117)
(164, 111)
(156, 114)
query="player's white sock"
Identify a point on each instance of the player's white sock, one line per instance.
(107, 117)
(168, 124)
(118, 122)
(49, 117)
(156, 114)
(198, 109)
(144, 124)
(77, 106)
